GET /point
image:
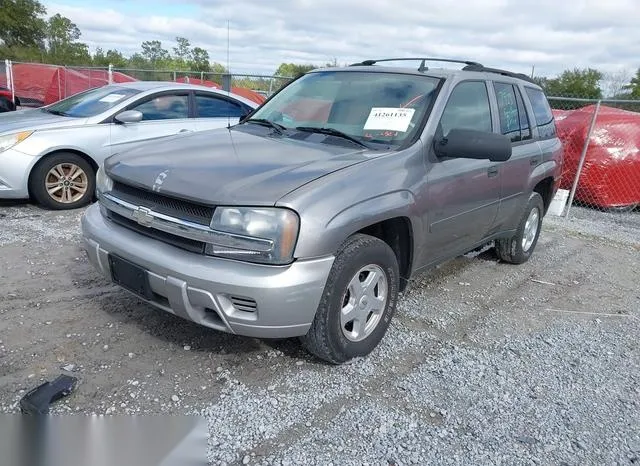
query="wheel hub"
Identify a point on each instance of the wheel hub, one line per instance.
(530, 229)
(66, 183)
(363, 302)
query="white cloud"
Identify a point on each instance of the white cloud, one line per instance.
(515, 34)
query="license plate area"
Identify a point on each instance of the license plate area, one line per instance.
(130, 276)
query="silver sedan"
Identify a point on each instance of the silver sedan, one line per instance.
(51, 154)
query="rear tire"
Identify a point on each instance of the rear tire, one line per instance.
(519, 248)
(6, 105)
(358, 302)
(63, 181)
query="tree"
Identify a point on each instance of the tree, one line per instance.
(153, 52)
(633, 88)
(183, 50)
(581, 83)
(293, 70)
(218, 68)
(62, 41)
(21, 23)
(199, 60)
(614, 85)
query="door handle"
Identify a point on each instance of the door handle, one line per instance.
(492, 171)
(184, 131)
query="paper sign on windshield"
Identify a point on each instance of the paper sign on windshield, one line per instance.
(111, 98)
(389, 118)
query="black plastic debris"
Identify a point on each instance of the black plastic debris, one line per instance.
(37, 401)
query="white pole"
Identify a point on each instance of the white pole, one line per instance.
(110, 73)
(583, 156)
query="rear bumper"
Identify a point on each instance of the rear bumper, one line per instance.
(213, 292)
(14, 174)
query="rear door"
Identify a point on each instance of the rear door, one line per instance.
(217, 111)
(462, 194)
(525, 156)
(164, 114)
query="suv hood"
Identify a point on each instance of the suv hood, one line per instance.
(224, 166)
(34, 119)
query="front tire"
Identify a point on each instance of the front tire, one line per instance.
(63, 181)
(519, 248)
(358, 302)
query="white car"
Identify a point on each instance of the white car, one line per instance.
(50, 154)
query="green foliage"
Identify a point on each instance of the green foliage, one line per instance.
(62, 42)
(153, 52)
(21, 24)
(580, 83)
(293, 70)
(633, 88)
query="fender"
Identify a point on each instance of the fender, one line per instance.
(324, 238)
(544, 170)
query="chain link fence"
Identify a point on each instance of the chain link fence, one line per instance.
(39, 84)
(601, 139)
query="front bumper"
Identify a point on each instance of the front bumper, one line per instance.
(15, 167)
(231, 296)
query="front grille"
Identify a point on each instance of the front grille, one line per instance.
(178, 241)
(177, 208)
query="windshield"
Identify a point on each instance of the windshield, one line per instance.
(373, 107)
(92, 102)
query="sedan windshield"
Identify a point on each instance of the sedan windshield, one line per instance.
(92, 102)
(366, 107)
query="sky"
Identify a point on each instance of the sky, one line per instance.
(551, 35)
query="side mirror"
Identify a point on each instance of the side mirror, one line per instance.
(129, 116)
(472, 144)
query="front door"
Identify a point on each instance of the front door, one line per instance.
(463, 195)
(164, 114)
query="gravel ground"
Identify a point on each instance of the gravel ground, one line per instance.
(485, 363)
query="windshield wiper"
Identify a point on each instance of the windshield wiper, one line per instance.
(264, 122)
(55, 112)
(333, 132)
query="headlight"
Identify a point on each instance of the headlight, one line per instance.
(10, 140)
(264, 235)
(103, 182)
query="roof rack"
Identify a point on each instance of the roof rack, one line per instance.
(422, 64)
(470, 66)
(511, 74)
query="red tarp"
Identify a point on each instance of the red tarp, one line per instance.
(45, 84)
(611, 172)
(38, 84)
(241, 91)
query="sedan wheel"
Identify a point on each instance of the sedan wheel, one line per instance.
(62, 181)
(67, 183)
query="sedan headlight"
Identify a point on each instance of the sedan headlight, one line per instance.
(10, 140)
(103, 182)
(263, 235)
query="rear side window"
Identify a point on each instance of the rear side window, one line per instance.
(542, 113)
(514, 122)
(216, 107)
(467, 108)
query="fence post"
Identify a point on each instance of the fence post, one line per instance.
(226, 82)
(270, 86)
(201, 77)
(59, 84)
(174, 77)
(583, 156)
(110, 73)
(9, 70)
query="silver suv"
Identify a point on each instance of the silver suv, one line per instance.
(310, 216)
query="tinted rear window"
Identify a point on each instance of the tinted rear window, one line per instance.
(541, 112)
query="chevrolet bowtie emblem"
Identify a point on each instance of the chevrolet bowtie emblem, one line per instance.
(143, 216)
